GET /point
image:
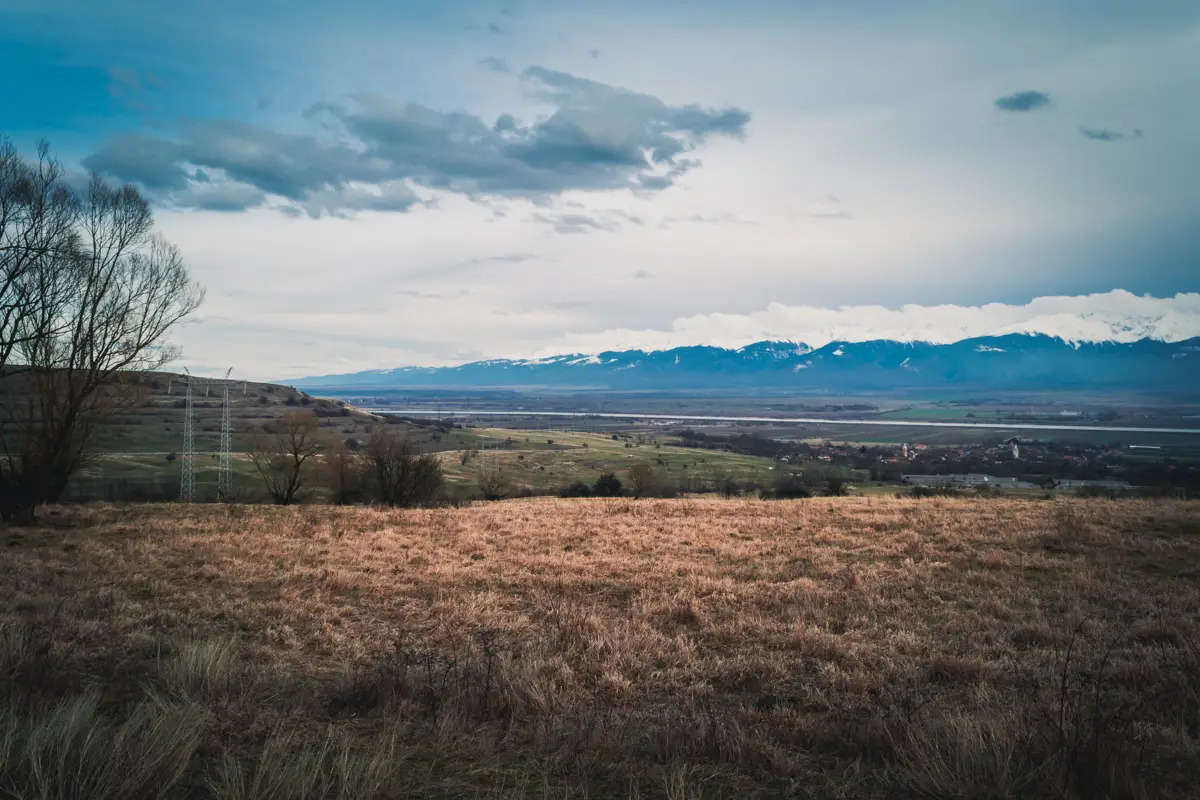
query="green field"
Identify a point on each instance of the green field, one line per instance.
(546, 460)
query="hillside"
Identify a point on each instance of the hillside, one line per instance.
(853, 648)
(1012, 362)
(156, 424)
(137, 452)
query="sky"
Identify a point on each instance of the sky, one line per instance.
(367, 185)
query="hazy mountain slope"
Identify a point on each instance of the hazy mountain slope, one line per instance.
(1015, 361)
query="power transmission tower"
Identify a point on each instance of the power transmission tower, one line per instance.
(187, 477)
(225, 474)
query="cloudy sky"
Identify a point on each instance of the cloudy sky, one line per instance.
(370, 184)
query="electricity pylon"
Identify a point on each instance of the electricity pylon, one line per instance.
(225, 474)
(187, 476)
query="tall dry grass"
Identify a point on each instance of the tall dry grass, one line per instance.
(842, 647)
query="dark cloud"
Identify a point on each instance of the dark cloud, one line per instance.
(225, 196)
(1028, 100)
(495, 64)
(575, 223)
(1104, 134)
(594, 53)
(581, 222)
(597, 137)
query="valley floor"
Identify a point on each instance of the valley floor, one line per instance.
(842, 647)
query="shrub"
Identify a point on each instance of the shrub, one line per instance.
(787, 487)
(643, 481)
(608, 485)
(577, 489)
(492, 484)
(402, 476)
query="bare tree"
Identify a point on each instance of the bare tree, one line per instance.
(403, 476)
(91, 297)
(284, 453)
(343, 474)
(37, 233)
(492, 484)
(643, 481)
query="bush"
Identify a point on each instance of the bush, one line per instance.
(643, 481)
(608, 485)
(492, 484)
(577, 489)
(401, 475)
(787, 487)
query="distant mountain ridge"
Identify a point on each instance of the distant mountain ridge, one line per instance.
(1012, 361)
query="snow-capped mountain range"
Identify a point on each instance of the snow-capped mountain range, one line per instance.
(1115, 316)
(1015, 361)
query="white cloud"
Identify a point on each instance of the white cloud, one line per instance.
(1117, 316)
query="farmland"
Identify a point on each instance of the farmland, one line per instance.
(836, 647)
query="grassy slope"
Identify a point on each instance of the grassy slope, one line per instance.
(134, 448)
(547, 460)
(694, 648)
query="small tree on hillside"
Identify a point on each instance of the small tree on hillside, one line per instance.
(284, 453)
(343, 474)
(608, 485)
(643, 481)
(492, 484)
(401, 474)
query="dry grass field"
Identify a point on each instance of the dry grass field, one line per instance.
(852, 648)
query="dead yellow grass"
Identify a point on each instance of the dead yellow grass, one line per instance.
(849, 647)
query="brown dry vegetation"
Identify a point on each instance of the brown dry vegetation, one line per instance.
(860, 647)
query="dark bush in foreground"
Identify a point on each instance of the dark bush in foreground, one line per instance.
(608, 485)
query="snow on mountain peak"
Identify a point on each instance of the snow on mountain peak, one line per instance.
(1116, 316)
